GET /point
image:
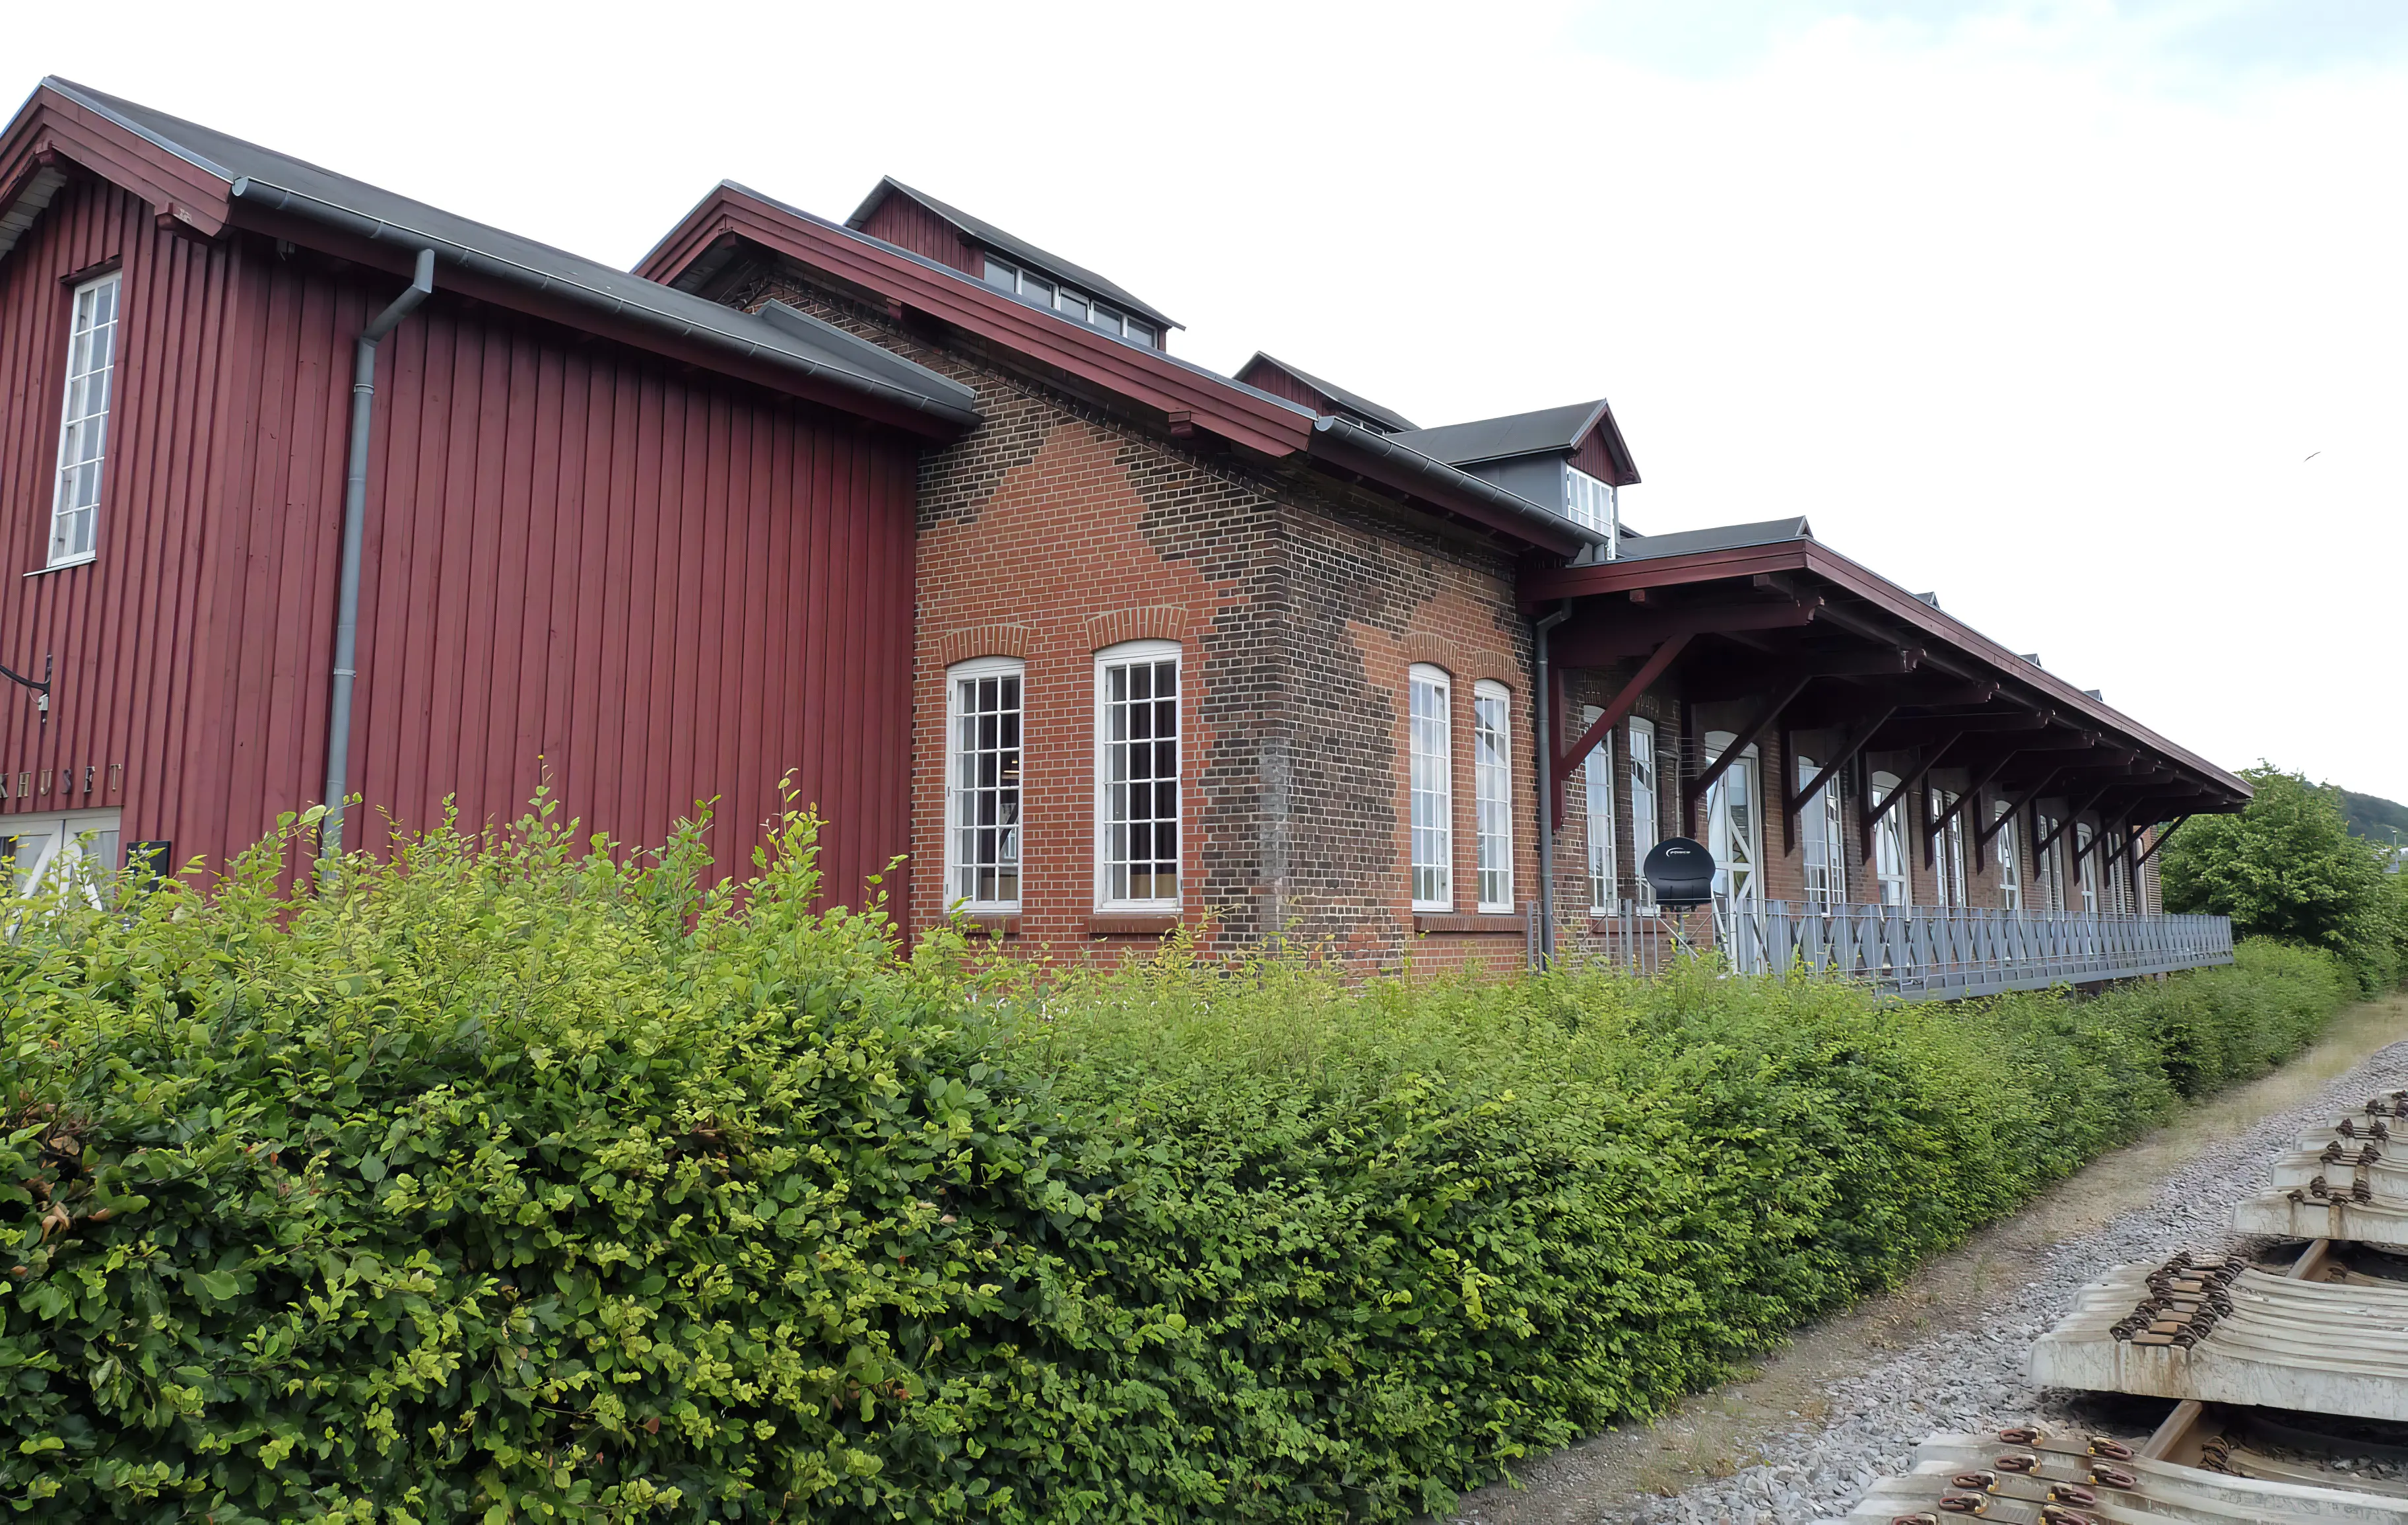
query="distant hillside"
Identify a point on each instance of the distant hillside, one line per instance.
(2372, 816)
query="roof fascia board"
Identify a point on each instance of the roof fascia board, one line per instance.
(467, 282)
(1245, 417)
(53, 122)
(1540, 587)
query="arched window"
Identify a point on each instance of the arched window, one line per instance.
(1492, 792)
(1430, 748)
(1889, 845)
(1826, 863)
(1603, 877)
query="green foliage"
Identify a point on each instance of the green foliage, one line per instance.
(2375, 817)
(2288, 868)
(512, 1181)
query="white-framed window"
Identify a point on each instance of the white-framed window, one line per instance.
(1734, 831)
(1889, 845)
(2011, 876)
(83, 421)
(2048, 867)
(1492, 791)
(1430, 744)
(1136, 776)
(40, 850)
(1643, 816)
(1073, 304)
(1949, 860)
(982, 812)
(2086, 869)
(1826, 857)
(1590, 501)
(1599, 776)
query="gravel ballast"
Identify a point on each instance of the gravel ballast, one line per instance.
(1975, 1381)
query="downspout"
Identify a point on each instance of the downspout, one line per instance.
(355, 513)
(1547, 750)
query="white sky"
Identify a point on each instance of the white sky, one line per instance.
(2088, 315)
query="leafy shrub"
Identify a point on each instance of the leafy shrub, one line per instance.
(511, 1181)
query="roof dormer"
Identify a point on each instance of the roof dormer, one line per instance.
(1282, 379)
(1571, 460)
(925, 226)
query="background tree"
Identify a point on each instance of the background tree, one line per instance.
(2288, 868)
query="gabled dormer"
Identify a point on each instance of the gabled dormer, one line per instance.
(1571, 460)
(928, 227)
(1282, 379)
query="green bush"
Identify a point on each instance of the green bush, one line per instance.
(512, 1181)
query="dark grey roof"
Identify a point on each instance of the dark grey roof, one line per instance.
(981, 232)
(1517, 434)
(1720, 537)
(789, 339)
(1351, 401)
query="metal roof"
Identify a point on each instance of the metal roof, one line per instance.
(1548, 430)
(981, 232)
(1635, 547)
(279, 182)
(1353, 401)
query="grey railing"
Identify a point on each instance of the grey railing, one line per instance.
(1928, 953)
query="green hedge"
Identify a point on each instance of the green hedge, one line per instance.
(513, 1182)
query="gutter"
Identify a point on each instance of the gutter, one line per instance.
(1544, 526)
(280, 198)
(355, 510)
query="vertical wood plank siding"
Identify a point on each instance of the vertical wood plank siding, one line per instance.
(654, 586)
(905, 223)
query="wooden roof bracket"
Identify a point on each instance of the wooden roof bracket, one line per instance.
(1571, 757)
(1792, 803)
(1766, 715)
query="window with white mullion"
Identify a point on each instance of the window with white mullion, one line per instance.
(1602, 876)
(1949, 858)
(1075, 305)
(984, 812)
(1137, 775)
(1492, 790)
(1643, 819)
(1429, 743)
(1827, 866)
(2086, 869)
(83, 423)
(2011, 881)
(1889, 845)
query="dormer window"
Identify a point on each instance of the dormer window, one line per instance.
(1077, 306)
(1589, 501)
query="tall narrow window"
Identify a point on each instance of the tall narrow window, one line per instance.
(2048, 869)
(1950, 856)
(1492, 789)
(1137, 692)
(2011, 877)
(1826, 863)
(1732, 832)
(984, 840)
(1432, 764)
(84, 427)
(1601, 875)
(2086, 869)
(1889, 845)
(1643, 807)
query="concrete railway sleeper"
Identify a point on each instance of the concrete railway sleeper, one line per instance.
(2279, 1371)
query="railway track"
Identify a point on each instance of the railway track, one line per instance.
(2287, 1369)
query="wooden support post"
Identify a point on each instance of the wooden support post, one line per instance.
(1640, 682)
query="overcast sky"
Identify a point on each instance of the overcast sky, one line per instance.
(2088, 316)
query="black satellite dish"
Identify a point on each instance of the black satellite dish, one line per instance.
(1681, 873)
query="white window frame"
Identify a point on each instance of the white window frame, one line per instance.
(1735, 831)
(1825, 835)
(1646, 808)
(2085, 873)
(2049, 868)
(1128, 654)
(963, 793)
(1949, 861)
(1071, 302)
(64, 839)
(2011, 875)
(1592, 501)
(80, 469)
(1604, 875)
(1492, 794)
(1893, 869)
(1429, 786)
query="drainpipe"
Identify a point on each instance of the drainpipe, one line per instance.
(1546, 749)
(355, 512)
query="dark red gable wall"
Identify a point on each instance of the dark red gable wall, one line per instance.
(665, 588)
(907, 224)
(1279, 383)
(1594, 459)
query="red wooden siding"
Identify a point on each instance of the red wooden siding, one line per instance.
(907, 224)
(665, 586)
(1279, 384)
(1594, 459)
